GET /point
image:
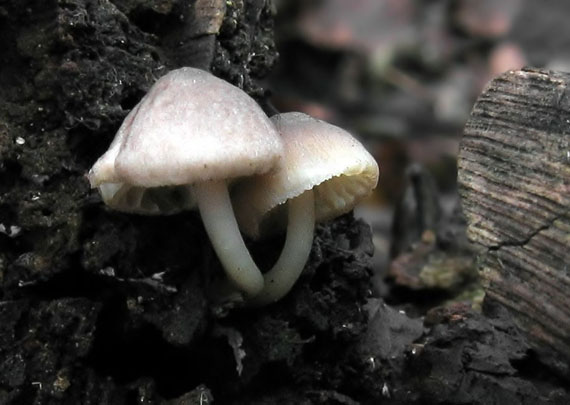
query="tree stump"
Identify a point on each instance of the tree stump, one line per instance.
(514, 179)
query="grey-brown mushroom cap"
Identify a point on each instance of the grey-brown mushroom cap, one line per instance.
(318, 156)
(193, 127)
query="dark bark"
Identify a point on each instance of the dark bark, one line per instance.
(514, 176)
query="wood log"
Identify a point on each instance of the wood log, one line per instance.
(514, 180)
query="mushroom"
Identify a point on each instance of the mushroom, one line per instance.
(324, 173)
(128, 197)
(187, 139)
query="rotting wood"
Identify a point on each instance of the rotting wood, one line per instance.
(514, 179)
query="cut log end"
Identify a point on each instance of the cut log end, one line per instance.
(514, 180)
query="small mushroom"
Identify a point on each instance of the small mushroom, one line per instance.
(324, 173)
(128, 197)
(186, 140)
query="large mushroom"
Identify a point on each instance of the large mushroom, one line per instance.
(186, 140)
(324, 173)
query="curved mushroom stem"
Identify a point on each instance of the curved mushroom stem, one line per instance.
(300, 227)
(220, 223)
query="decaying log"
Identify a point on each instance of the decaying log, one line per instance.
(514, 177)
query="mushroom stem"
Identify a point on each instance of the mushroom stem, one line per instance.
(220, 223)
(300, 227)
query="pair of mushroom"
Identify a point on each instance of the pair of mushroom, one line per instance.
(193, 135)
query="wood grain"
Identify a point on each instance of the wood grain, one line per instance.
(514, 179)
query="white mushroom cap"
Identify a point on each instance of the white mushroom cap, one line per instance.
(318, 156)
(103, 171)
(190, 127)
(129, 198)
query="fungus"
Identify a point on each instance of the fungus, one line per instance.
(324, 173)
(186, 140)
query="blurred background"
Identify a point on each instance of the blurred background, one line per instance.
(402, 75)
